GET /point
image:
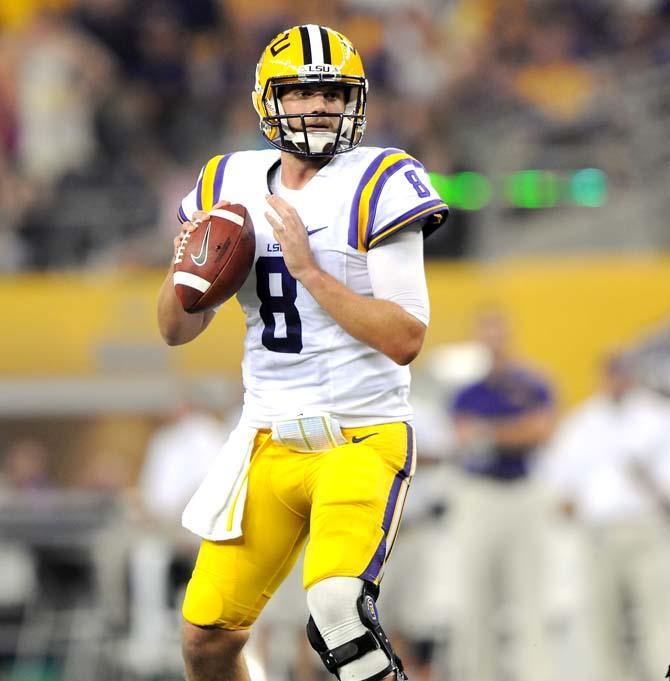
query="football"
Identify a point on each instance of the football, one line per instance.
(212, 262)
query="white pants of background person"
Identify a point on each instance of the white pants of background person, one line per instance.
(154, 617)
(569, 638)
(417, 592)
(498, 529)
(630, 557)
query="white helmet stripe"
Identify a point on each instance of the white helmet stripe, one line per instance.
(315, 43)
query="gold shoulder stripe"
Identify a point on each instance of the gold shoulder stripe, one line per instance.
(206, 190)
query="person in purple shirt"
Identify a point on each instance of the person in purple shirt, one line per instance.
(500, 423)
(501, 419)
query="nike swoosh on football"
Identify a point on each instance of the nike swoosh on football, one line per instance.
(356, 439)
(201, 258)
(314, 231)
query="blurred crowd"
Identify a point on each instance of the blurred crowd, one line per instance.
(543, 534)
(108, 108)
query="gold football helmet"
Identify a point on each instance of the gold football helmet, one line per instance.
(305, 55)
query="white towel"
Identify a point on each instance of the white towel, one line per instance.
(216, 508)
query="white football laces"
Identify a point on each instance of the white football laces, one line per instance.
(179, 256)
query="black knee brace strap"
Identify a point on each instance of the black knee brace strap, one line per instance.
(373, 639)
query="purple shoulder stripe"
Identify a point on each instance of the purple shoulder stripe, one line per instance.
(376, 193)
(198, 189)
(181, 215)
(417, 211)
(218, 177)
(355, 205)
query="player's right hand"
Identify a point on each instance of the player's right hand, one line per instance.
(197, 219)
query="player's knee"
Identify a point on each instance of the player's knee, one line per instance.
(344, 629)
(205, 644)
(334, 598)
(203, 603)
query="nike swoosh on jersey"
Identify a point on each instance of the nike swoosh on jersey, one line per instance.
(356, 439)
(201, 258)
(314, 231)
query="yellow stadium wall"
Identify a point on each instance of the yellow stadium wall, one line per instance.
(566, 313)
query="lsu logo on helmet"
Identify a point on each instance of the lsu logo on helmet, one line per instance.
(305, 55)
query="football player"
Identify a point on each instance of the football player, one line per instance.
(336, 308)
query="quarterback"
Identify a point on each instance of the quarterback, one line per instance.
(336, 308)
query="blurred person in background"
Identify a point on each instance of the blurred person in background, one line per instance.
(25, 467)
(177, 458)
(104, 477)
(551, 81)
(24, 476)
(40, 568)
(344, 482)
(52, 79)
(178, 454)
(417, 609)
(15, 191)
(85, 197)
(415, 54)
(610, 467)
(497, 520)
(61, 78)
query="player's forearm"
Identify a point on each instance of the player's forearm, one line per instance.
(381, 324)
(176, 326)
(528, 430)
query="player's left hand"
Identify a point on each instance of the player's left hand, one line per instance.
(289, 230)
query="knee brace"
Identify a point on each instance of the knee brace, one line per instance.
(368, 639)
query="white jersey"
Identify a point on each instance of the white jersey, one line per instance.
(296, 357)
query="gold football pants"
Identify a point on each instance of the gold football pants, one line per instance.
(347, 500)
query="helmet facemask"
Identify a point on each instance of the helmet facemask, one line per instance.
(288, 132)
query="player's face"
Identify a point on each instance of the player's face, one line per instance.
(324, 99)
